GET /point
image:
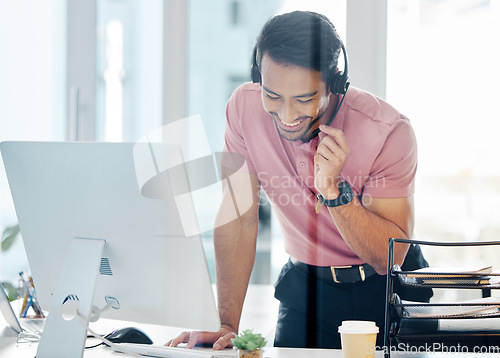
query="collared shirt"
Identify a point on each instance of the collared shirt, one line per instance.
(382, 164)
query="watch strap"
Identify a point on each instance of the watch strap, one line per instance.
(344, 198)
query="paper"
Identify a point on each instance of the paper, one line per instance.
(446, 271)
(489, 306)
(481, 275)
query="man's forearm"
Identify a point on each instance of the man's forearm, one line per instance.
(367, 226)
(367, 233)
(235, 245)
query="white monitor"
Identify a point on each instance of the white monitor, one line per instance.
(92, 239)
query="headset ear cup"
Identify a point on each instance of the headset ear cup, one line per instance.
(254, 70)
(255, 73)
(338, 83)
(333, 83)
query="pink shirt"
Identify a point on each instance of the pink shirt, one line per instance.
(382, 164)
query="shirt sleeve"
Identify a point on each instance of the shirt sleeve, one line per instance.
(393, 171)
(234, 136)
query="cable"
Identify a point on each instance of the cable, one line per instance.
(114, 346)
(33, 337)
(95, 345)
(28, 337)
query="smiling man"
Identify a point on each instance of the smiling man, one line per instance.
(338, 168)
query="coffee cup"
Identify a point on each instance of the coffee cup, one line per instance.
(358, 339)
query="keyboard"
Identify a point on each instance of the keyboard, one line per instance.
(32, 324)
(173, 352)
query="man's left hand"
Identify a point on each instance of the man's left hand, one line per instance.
(329, 161)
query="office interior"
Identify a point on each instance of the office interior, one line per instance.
(115, 70)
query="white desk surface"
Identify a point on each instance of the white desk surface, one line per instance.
(9, 349)
(259, 314)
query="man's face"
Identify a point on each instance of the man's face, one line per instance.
(294, 96)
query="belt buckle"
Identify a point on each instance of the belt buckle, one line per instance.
(334, 275)
(361, 269)
(362, 272)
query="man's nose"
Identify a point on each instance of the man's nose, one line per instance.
(286, 113)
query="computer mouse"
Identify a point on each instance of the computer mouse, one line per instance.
(129, 335)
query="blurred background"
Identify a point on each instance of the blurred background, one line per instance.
(114, 70)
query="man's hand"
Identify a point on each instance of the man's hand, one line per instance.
(220, 339)
(329, 161)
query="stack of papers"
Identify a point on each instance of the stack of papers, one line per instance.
(483, 307)
(452, 275)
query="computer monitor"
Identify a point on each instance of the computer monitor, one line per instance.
(93, 240)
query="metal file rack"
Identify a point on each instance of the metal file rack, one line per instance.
(417, 324)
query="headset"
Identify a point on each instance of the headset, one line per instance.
(338, 83)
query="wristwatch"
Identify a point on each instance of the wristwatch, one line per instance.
(344, 198)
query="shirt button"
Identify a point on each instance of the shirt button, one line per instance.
(302, 164)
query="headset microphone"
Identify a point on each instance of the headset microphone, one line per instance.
(339, 84)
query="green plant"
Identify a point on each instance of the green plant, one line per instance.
(9, 236)
(249, 341)
(11, 290)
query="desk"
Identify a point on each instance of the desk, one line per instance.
(9, 349)
(259, 313)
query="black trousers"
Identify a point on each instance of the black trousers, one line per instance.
(312, 309)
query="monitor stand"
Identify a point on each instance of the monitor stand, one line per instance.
(64, 336)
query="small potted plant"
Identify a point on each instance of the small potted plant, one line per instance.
(249, 344)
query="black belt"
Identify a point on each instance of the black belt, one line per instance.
(338, 274)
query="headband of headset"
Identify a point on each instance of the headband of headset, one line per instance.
(338, 81)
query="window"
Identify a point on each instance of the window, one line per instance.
(113, 79)
(32, 94)
(443, 73)
(235, 12)
(129, 68)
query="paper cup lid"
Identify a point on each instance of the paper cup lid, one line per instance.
(358, 327)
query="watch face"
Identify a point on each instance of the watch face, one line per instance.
(346, 192)
(344, 198)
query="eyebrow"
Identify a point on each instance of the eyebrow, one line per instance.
(305, 95)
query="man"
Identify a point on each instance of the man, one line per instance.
(339, 172)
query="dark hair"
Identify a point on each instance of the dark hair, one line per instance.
(301, 38)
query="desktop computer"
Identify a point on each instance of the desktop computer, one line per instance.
(97, 245)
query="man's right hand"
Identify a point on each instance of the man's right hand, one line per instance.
(220, 339)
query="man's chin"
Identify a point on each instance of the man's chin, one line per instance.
(293, 136)
(303, 135)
